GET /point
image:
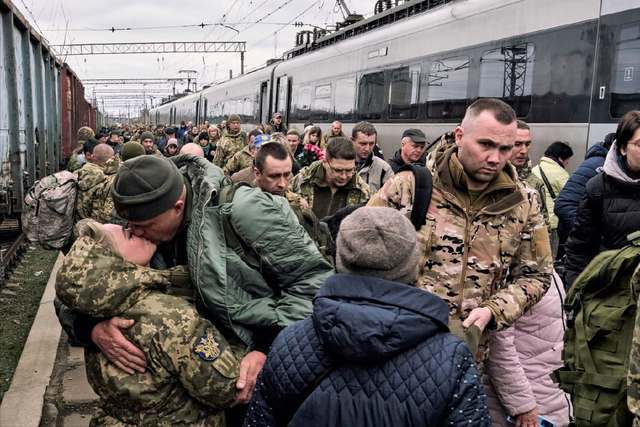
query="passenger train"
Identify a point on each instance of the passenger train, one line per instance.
(569, 68)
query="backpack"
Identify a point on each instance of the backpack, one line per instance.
(601, 312)
(48, 210)
(318, 231)
(422, 200)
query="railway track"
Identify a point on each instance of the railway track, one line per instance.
(12, 246)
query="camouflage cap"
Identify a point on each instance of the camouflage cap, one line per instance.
(85, 133)
(145, 187)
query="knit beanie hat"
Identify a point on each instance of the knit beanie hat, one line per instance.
(146, 135)
(234, 118)
(130, 150)
(378, 242)
(145, 187)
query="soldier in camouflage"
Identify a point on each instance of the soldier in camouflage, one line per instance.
(332, 183)
(84, 134)
(485, 246)
(147, 141)
(231, 142)
(244, 159)
(94, 184)
(521, 160)
(192, 369)
(633, 381)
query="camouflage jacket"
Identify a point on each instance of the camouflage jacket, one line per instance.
(311, 178)
(228, 146)
(74, 165)
(191, 368)
(328, 136)
(94, 195)
(494, 253)
(241, 160)
(526, 174)
(633, 381)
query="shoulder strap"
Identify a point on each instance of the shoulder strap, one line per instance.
(422, 198)
(232, 239)
(547, 183)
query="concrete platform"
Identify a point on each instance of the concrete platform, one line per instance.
(22, 404)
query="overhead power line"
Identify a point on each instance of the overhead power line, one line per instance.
(127, 81)
(228, 25)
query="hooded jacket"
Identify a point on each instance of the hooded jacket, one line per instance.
(191, 368)
(607, 214)
(374, 352)
(494, 253)
(566, 205)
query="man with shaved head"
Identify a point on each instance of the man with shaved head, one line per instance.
(192, 148)
(485, 245)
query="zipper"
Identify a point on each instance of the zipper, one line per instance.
(200, 245)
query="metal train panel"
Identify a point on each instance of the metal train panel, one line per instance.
(31, 130)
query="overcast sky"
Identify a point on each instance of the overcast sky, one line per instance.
(84, 21)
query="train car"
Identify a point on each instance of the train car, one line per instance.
(41, 108)
(569, 69)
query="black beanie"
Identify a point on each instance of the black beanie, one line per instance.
(145, 187)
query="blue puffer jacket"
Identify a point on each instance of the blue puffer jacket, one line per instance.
(374, 353)
(566, 205)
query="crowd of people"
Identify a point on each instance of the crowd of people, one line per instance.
(282, 277)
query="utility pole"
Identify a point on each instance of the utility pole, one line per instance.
(188, 73)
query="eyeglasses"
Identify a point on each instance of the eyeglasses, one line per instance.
(635, 143)
(346, 172)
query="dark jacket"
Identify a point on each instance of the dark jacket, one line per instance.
(566, 205)
(382, 355)
(397, 162)
(609, 211)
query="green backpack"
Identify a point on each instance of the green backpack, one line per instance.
(601, 312)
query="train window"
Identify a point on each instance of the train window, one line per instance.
(447, 88)
(322, 103)
(625, 75)
(231, 105)
(403, 92)
(303, 107)
(507, 74)
(249, 108)
(345, 95)
(371, 96)
(240, 109)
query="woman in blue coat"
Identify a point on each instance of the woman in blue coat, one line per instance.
(375, 352)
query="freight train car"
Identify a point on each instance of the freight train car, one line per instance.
(569, 68)
(41, 108)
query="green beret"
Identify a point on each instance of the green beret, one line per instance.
(146, 135)
(145, 187)
(131, 149)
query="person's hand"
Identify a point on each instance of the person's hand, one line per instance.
(119, 350)
(249, 368)
(480, 317)
(528, 419)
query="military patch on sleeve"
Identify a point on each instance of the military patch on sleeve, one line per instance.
(208, 348)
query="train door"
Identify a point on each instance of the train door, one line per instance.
(197, 118)
(157, 117)
(264, 102)
(282, 98)
(205, 111)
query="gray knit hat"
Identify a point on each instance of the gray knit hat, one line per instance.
(146, 135)
(378, 242)
(145, 187)
(234, 118)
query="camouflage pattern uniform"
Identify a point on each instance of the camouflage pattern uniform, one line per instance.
(494, 253)
(228, 146)
(94, 195)
(328, 136)
(191, 368)
(525, 173)
(84, 133)
(633, 381)
(309, 177)
(241, 160)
